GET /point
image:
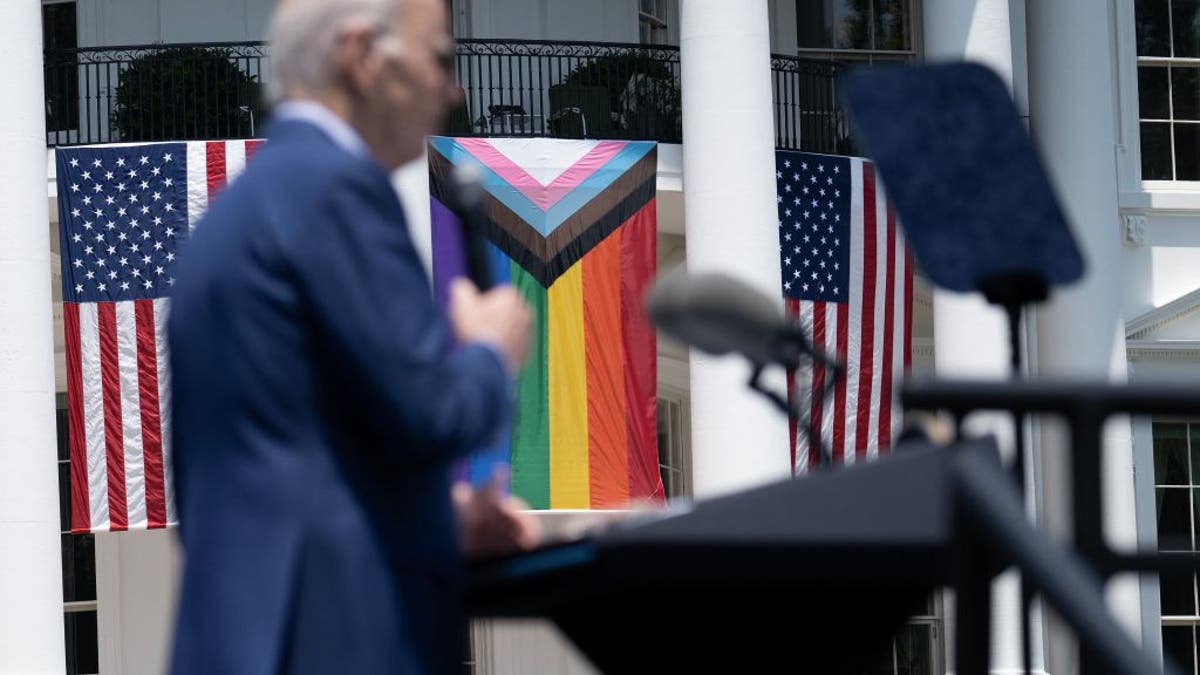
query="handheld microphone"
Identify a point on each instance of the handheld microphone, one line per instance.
(466, 201)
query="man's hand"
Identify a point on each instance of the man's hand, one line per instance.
(499, 318)
(489, 523)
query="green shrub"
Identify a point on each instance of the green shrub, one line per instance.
(186, 93)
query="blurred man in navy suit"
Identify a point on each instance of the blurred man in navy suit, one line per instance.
(319, 396)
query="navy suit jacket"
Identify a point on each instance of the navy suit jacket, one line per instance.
(316, 409)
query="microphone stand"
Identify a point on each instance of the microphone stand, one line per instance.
(1012, 292)
(794, 347)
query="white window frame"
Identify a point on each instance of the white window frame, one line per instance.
(1135, 193)
(679, 462)
(870, 56)
(1193, 485)
(80, 606)
(656, 21)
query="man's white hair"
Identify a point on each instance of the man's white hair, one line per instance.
(303, 34)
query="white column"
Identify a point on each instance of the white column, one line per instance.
(31, 612)
(411, 183)
(1072, 97)
(971, 336)
(738, 440)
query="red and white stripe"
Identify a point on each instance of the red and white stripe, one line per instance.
(118, 384)
(870, 334)
(115, 367)
(211, 165)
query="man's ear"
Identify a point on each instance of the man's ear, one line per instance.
(356, 64)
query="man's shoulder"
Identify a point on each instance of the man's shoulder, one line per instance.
(296, 177)
(304, 158)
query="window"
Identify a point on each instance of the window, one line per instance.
(1177, 496)
(79, 569)
(916, 648)
(672, 449)
(808, 111)
(871, 30)
(652, 22)
(1168, 49)
(61, 72)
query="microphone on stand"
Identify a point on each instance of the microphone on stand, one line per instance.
(720, 314)
(465, 200)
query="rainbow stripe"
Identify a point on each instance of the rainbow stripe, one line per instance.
(573, 228)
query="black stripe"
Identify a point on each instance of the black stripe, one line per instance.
(546, 273)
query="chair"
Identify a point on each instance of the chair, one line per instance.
(507, 118)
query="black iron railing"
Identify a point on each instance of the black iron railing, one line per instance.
(510, 88)
(568, 89)
(808, 114)
(154, 92)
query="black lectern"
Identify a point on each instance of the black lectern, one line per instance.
(816, 573)
(809, 573)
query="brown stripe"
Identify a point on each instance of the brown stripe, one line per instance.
(548, 269)
(601, 204)
(601, 228)
(516, 226)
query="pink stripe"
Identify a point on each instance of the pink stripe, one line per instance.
(542, 196)
(110, 383)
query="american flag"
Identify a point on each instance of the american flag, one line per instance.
(124, 213)
(847, 277)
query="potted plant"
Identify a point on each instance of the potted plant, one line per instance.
(624, 94)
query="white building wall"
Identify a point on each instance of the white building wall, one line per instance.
(137, 581)
(128, 22)
(591, 20)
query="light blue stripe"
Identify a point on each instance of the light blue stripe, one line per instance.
(595, 184)
(492, 182)
(547, 222)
